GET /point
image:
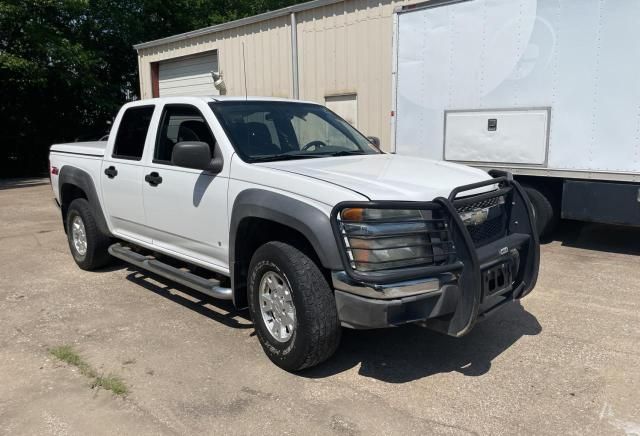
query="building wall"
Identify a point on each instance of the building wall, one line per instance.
(267, 48)
(346, 48)
(343, 48)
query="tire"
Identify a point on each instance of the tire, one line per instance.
(545, 214)
(95, 254)
(316, 329)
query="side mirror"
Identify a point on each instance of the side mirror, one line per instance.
(196, 155)
(375, 141)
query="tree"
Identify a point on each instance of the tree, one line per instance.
(66, 66)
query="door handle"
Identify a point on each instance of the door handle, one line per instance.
(111, 172)
(153, 179)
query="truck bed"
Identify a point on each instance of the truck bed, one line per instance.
(91, 148)
(85, 156)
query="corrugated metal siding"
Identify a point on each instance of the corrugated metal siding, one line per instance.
(343, 48)
(267, 48)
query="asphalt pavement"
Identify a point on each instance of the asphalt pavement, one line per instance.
(565, 361)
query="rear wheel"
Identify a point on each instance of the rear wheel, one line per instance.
(87, 243)
(545, 215)
(292, 307)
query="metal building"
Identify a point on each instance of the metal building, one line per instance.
(337, 53)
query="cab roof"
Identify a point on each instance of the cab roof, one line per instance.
(214, 98)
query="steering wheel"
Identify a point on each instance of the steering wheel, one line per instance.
(316, 144)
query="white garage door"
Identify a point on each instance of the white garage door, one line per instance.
(190, 75)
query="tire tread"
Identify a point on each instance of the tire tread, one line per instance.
(319, 305)
(97, 255)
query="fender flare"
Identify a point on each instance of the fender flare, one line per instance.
(70, 175)
(309, 221)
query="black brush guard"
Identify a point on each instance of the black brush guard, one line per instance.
(469, 261)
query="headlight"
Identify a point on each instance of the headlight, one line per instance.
(381, 239)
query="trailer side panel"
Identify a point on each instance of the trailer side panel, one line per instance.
(578, 58)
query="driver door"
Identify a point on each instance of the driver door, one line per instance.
(186, 209)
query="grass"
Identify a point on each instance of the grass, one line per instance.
(68, 355)
(110, 382)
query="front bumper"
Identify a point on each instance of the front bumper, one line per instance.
(451, 298)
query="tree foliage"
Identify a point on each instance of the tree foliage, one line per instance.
(66, 66)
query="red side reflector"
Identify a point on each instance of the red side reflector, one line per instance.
(54, 171)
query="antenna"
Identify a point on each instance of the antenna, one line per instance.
(244, 70)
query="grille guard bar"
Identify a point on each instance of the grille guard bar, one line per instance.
(466, 263)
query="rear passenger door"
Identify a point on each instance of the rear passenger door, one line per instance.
(186, 209)
(122, 173)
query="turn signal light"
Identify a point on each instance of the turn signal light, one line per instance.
(356, 214)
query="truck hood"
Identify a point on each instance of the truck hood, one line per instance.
(388, 176)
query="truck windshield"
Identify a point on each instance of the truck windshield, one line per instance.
(269, 131)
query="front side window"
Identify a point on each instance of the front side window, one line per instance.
(267, 130)
(180, 123)
(132, 133)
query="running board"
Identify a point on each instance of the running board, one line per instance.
(197, 283)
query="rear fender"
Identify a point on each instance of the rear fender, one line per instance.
(82, 180)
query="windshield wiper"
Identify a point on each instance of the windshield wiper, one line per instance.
(293, 156)
(345, 153)
(283, 156)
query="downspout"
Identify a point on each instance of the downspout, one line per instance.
(294, 57)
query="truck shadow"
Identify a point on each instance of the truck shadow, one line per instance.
(408, 353)
(396, 355)
(218, 310)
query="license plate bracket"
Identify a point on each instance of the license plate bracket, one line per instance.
(497, 279)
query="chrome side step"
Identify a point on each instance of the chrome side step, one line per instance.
(197, 283)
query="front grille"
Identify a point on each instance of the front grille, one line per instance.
(489, 231)
(489, 202)
(495, 225)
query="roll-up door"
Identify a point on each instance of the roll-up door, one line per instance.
(189, 75)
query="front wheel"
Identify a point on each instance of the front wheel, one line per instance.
(292, 307)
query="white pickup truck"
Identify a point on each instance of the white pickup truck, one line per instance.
(285, 208)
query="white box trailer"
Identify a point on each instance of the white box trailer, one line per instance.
(547, 89)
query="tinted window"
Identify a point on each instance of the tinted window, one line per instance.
(180, 123)
(268, 130)
(132, 133)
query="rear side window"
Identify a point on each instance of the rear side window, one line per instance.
(132, 133)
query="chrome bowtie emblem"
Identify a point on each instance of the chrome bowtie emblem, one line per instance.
(503, 251)
(475, 217)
